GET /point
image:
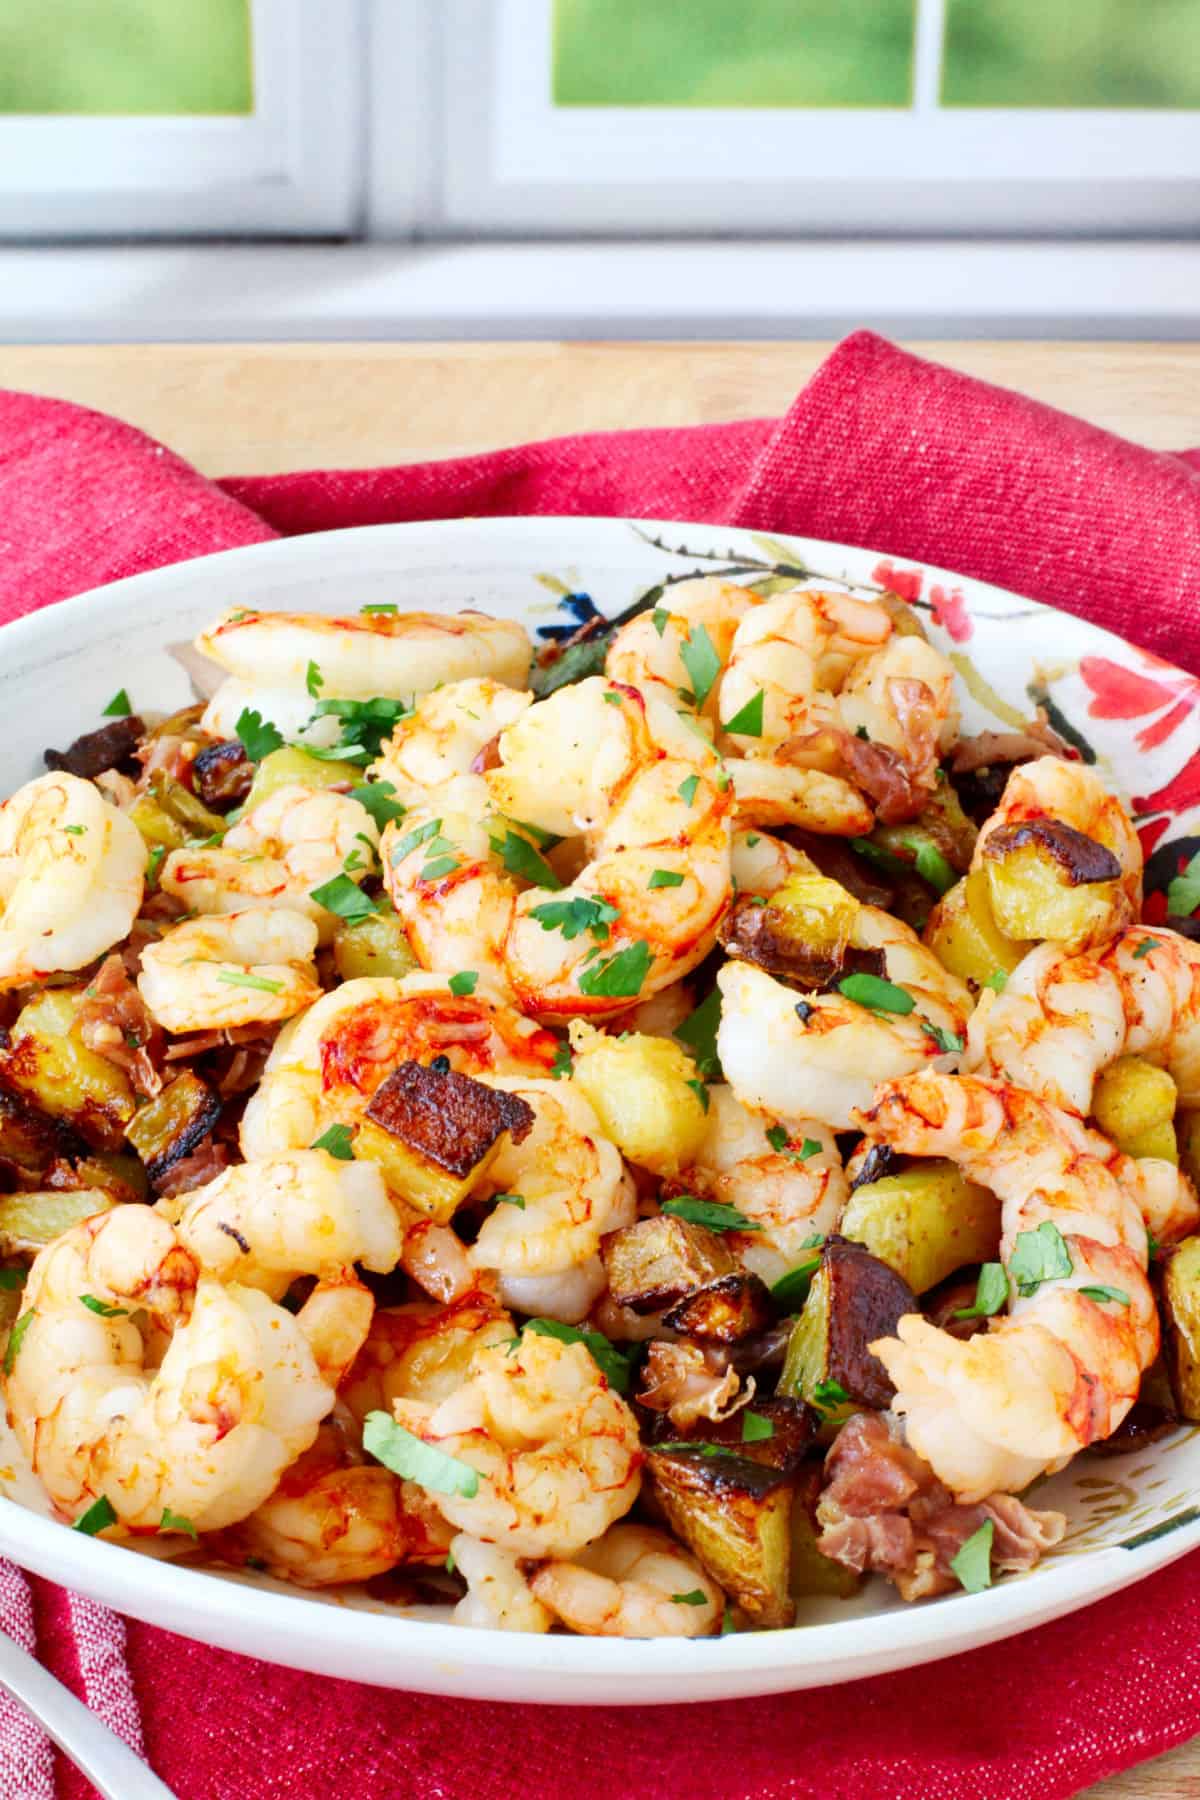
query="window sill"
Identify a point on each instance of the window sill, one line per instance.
(680, 290)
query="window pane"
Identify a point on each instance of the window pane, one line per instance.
(125, 56)
(733, 52)
(1072, 53)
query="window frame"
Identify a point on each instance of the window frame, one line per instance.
(291, 167)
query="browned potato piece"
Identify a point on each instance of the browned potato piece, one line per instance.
(779, 1432)
(1181, 1325)
(735, 1514)
(29, 1142)
(812, 1574)
(434, 1132)
(31, 1221)
(656, 1262)
(964, 936)
(121, 1177)
(802, 933)
(924, 1222)
(1133, 1103)
(732, 1307)
(172, 1125)
(1048, 881)
(854, 1298)
(47, 1063)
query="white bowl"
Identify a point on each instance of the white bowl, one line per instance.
(1129, 1515)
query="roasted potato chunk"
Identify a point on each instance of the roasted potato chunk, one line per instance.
(122, 1178)
(659, 1261)
(733, 1307)
(854, 1298)
(1133, 1103)
(29, 1142)
(779, 1432)
(31, 1221)
(646, 1094)
(1181, 1325)
(222, 774)
(735, 1515)
(290, 767)
(172, 1125)
(925, 1222)
(159, 830)
(434, 1132)
(1048, 881)
(812, 1574)
(186, 808)
(1187, 1133)
(47, 1063)
(965, 937)
(378, 945)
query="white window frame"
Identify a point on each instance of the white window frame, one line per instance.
(513, 162)
(291, 167)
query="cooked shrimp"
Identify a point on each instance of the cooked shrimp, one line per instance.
(1075, 795)
(635, 1583)
(572, 1189)
(498, 1597)
(448, 733)
(301, 1212)
(325, 1067)
(333, 1520)
(365, 655)
(1062, 1370)
(422, 1352)
(776, 793)
(790, 1188)
(1062, 1018)
(820, 1056)
(240, 969)
(648, 653)
(205, 1435)
(762, 863)
(71, 878)
(295, 840)
(796, 650)
(556, 1450)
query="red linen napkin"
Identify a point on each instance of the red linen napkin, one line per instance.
(881, 449)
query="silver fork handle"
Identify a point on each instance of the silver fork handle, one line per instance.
(109, 1764)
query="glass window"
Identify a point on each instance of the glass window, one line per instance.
(1124, 54)
(733, 53)
(96, 58)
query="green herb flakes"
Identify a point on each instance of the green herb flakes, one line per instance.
(98, 1517)
(748, 721)
(716, 1214)
(973, 1564)
(338, 1141)
(991, 1293)
(874, 992)
(1038, 1256)
(118, 707)
(407, 1456)
(617, 977)
(573, 917)
(345, 898)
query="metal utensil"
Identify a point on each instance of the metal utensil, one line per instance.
(109, 1765)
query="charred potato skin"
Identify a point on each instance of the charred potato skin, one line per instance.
(434, 1132)
(725, 1311)
(925, 1221)
(854, 1299)
(173, 1124)
(659, 1262)
(734, 1514)
(222, 774)
(1181, 1325)
(29, 1141)
(46, 1063)
(1049, 882)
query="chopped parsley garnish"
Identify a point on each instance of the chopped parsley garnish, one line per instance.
(618, 977)
(1144, 948)
(997, 981)
(612, 1363)
(562, 1065)
(945, 1040)
(728, 1628)
(364, 723)
(118, 707)
(440, 867)
(155, 862)
(698, 1033)
(517, 1200)
(828, 1395)
(716, 1214)
(173, 1521)
(659, 618)
(99, 1515)
(687, 789)
(338, 1141)
(314, 681)
(699, 657)
(345, 898)
(932, 866)
(756, 1429)
(573, 917)
(103, 1308)
(700, 1089)
(243, 978)
(463, 983)
(1038, 1256)
(75, 830)
(973, 1564)
(874, 992)
(781, 1143)
(382, 608)
(664, 878)
(15, 1338)
(697, 1597)
(991, 1293)
(791, 1290)
(376, 796)
(748, 721)
(1183, 895)
(520, 858)
(613, 698)
(420, 834)
(450, 1565)
(12, 1278)
(1102, 1292)
(257, 735)
(752, 839)
(407, 1456)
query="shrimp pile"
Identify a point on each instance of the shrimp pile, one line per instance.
(624, 1157)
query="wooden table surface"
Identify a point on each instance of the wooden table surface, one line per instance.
(268, 408)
